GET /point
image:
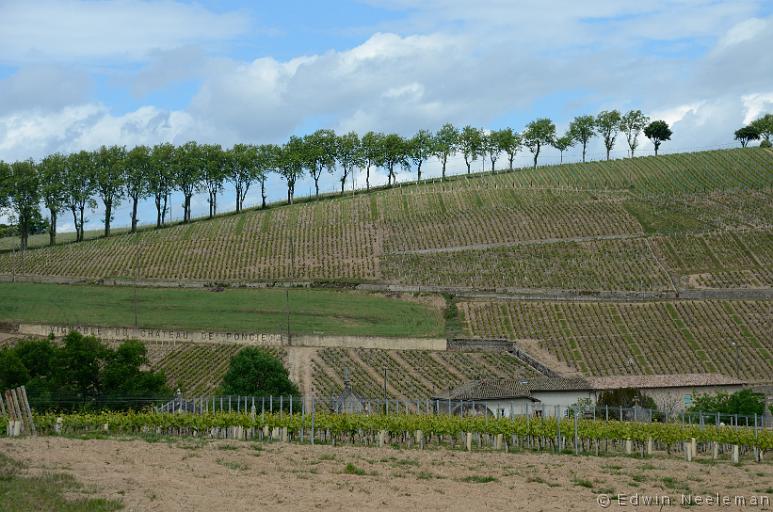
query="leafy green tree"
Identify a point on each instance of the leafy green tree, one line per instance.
(744, 402)
(470, 144)
(349, 154)
(137, 171)
(161, 179)
(632, 123)
(5, 185)
(290, 162)
(658, 132)
(78, 362)
(372, 152)
(492, 147)
(394, 155)
(80, 186)
(266, 161)
(319, 154)
(12, 370)
(109, 177)
(445, 145)
(188, 168)
(583, 129)
(122, 377)
(24, 197)
(420, 149)
(625, 397)
(214, 171)
(242, 169)
(563, 143)
(539, 133)
(510, 143)
(37, 356)
(747, 134)
(52, 171)
(608, 126)
(764, 126)
(256, 372)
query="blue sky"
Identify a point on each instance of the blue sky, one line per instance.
(76, 74)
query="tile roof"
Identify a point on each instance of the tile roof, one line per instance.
(663, 381)
(512, 388)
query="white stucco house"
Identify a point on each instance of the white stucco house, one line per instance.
(548, 396)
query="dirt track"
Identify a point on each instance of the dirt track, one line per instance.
(235, 476)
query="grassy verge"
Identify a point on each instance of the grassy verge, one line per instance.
(21, 493)
(312, 311)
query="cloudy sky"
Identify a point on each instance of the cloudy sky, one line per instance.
(78, 74)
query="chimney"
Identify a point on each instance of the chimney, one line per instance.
(347, 380)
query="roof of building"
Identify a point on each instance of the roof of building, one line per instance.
(663, 381)
(487, 389)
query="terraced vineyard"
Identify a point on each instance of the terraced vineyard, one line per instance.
(633, 224)
(197, 369)
(410, 373)
(638, 338)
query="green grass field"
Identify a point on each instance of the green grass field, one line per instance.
(241, 310)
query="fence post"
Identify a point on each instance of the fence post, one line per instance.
(313, 407)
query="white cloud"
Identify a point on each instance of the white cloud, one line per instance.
(757, 105)
(74, 30)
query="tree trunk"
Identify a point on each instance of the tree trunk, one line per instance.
(108, 213)
(81, 225)
(584, 144)
(468, 165)
(561, 158)
(158, 211)
(445, 159)
(52, 227)
(263, 193)
(511, 158)
(187, 208)
(343, 183)
(657, 145)
(316, 187)
(238, 195)
(24, 233)
(608, 150)
(135, 200)
(536, 155)
(75, 222)
(367, 177)
(419, 172)
(163, 214)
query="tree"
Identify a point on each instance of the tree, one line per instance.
(214, 171)
(764, 126)
(12, 371)
(744, 402)
(266, 161)
(394, 154)
(290, 163)
(563, 143)
(24, 196)
(52, 171)
(470, 144)
(445, 144)
(747, 134)
(188, 169)
(492, 146)
(371, 152)
(608, 126)
(420, 149)
(137, 171)
(319, 154)
(122, 376)
(79, 184)
(109, 178)
(242, 169)
(256, 372)
(657, 132)
(5, 185)
(510, 143)
(349, 154)
(583, 129)
(632, 124)
(538, 133)
(161, 178)
(625, 397)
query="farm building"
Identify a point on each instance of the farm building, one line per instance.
(671, 393)
(505, 397)
(544, 396)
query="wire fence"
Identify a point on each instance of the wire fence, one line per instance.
(351, 404)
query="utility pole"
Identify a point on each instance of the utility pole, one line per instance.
(737, 371)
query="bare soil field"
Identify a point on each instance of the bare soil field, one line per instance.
(196, 474)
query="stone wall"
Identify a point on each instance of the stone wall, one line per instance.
(239, 338)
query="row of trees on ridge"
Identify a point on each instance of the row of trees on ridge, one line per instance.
(73, 183)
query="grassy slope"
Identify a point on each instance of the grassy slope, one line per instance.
(246, 310)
